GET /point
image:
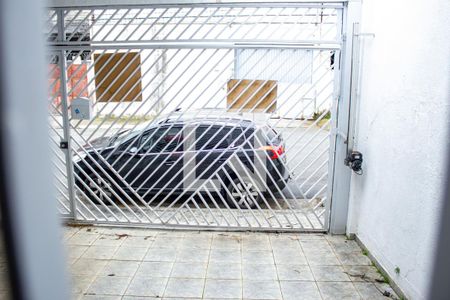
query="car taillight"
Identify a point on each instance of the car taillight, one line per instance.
(274, 151)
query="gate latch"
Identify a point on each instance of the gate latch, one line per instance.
(354, 160)
(63, 145)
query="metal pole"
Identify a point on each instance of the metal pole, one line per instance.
(65, 116)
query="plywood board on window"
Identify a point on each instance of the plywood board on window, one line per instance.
(245, 95)
(118, 77)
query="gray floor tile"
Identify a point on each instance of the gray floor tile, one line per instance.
(189, 270)
(147, 287)
(171, 242)
(100, 297)
(109, 285)
(161, 254)
(138, 241)
(87, 266)
(231, 256)
(109, 240)
(294, 272)
(226, 241)
(257, 243)
(257, 257)
(288, 256)
(363, 273)
(223, 289)
(322, 259)
(259, 272)
(303, 290)
(154, 269)
(120, 268)
(329, 273)
(261, 290)
(130, 253)
(100, 252)
(369, 291)
(196, 242)
(75, 251)
(82, 239)
(338, 290)
(193, 255)
(354, 259)
(218, 270)
(180, 287)
(80, 283)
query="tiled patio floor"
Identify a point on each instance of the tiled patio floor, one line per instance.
(115, 263)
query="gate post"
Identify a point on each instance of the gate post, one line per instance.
(342, 174)
(65, 115)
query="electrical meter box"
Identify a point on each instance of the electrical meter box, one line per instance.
(81, 109)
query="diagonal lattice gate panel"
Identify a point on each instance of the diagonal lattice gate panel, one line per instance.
(200, 115)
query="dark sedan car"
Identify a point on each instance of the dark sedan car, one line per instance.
(234, 157)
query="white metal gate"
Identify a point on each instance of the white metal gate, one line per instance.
(202, 115)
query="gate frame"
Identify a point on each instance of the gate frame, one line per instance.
(340, 189)
(336, 207)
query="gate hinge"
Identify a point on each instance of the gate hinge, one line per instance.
(337, 132)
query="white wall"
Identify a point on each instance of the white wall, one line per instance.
(402, 131)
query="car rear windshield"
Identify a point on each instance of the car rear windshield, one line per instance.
(218, 137)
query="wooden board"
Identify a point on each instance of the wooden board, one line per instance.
(127, 86)
(251, 95)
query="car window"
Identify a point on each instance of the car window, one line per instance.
(217, 137)
(167, 139)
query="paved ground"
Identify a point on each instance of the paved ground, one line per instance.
(116, 263)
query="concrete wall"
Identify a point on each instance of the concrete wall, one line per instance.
(402, 130)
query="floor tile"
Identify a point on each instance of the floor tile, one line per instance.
(231, 241)
(193, 255)
(338, 290)
(120, 268)
(180, 287)
(109, 240)
(303, 290)
(223, 289)
(370, 291)
(147, 287)
(130, 253)
(138, 241)
(363, 273)
(161, 254)
(259, 272)
(100, 252)
(109, 285)
(170, 242)
(154, 269)
(80, 283)
(189, 270)
(257, 257)
(196, 242)
(75, 251)
(261, 289)
(354, 259)
(329, 273)
(82, 239)
(294, 272)
(100, 297)
(288, 256)
(231, 256)
(87, 266)
(322, 259)
(219, 270)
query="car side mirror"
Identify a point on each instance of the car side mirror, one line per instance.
(133, 150)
